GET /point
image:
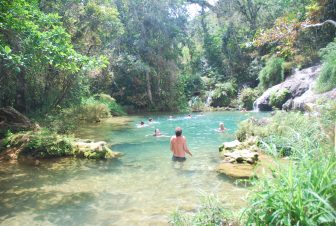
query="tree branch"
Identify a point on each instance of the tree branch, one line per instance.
(320, 24)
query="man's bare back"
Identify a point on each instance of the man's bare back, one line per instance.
(178, 145)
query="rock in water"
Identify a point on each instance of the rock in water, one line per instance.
(228, 146)
(241, 156)
(11, 119)
(94, 150)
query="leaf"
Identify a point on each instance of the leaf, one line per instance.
(7, 50)
(17, 69)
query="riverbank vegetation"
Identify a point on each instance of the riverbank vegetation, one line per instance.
(64, 63)
(53, 58)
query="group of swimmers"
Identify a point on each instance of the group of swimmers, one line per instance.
(157, 132)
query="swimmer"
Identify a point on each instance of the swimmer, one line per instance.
(157, 133)
(150, 120)
(221, 128)
(142, 124)
(189, 116)
(243, 110)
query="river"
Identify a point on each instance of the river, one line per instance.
(141, 188)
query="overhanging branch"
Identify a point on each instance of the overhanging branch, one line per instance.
(320, 24)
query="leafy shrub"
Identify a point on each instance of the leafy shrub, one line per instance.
(40, 144)
(92, 109)
(302, 192)
(246, 97)
(278, 98)
(272, 73)
(193, 85)
(197, 104)
(111, 103)
(327, 79)
(223, 94)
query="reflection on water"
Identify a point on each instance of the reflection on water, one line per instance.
(142, 188)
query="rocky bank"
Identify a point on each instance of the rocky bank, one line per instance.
(301, 93)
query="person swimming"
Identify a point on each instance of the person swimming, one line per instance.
(157, 133)
(221, 128)
(141, 125)
(150, 120)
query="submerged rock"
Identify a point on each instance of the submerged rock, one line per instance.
(239, 171)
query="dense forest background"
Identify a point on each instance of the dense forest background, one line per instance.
(150, 55)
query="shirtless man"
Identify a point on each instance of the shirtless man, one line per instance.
(178, 145)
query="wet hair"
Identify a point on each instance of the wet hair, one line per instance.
(178, 131)
(150, 119)
(141, 123)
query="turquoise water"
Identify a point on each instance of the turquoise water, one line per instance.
(142, 188)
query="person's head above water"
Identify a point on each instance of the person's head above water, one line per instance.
(150, 119)
(157, 132)
(142, 123)
(221, 126)
(178, 131)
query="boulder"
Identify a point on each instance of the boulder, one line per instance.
(241, 156)
(11, 119)
(229, 146)
(300, 86)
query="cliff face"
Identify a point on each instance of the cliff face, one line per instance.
(300, 88)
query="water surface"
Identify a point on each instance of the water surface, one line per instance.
(142, 188)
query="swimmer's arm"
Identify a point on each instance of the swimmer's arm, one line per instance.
(171, 145)
(185, 147)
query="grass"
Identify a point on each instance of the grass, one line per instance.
(211, 213)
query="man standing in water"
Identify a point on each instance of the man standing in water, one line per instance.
(178, 145)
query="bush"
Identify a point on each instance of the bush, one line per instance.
(278, 98)
(247, 96)
(327, 78)
(303, 192)
(272, 73)
(223, 94)
(111, 103)
(40, 144)
(197, 104)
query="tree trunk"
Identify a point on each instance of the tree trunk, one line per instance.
(149, 91)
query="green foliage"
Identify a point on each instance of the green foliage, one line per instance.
(327, 79)
(40, 64)
(197, 104)
(212, 213)
(111, 103)
(224, 93)
(40, 144)
(247, 96)
(272, 73)
(278, 98)
(303, 193)
(281, 133)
